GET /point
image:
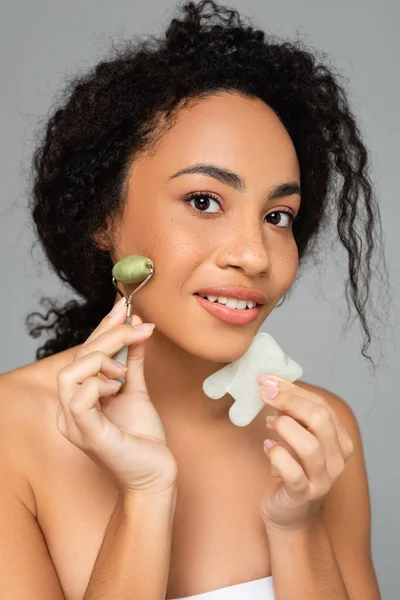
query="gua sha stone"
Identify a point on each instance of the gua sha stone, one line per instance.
(238, 378)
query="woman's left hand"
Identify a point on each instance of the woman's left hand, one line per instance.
(314, 452)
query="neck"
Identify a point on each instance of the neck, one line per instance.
(174, 379)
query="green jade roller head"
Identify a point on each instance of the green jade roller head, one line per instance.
(130, 269)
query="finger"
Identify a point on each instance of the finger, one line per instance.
(81, 418)
(309, 451)
(319, 422)
(92, 364)
(84, 407)
(73, 375)
(70, 377)
(113, 340)
(312, 411)
(294, 478)
(284, 385)
(116, 316)
(134, 378)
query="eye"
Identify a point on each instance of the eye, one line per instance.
(288, 213)
(203, 199)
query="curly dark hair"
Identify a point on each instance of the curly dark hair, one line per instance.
(112, 113)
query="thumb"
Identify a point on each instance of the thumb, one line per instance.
(134, 377)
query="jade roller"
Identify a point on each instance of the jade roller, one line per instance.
(130, 269)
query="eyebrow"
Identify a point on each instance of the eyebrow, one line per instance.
(235, 181)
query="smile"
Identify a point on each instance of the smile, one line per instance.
(229, 314)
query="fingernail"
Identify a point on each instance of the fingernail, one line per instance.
(145, 326)
(269, 443)
(114, 311)
(114, 383)
(119, 365)
(269, 389)
(266, 379)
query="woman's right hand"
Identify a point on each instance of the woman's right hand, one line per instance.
(124, 433)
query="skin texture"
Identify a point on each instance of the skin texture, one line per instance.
(232, 245)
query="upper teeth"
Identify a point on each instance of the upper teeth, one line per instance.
(231, 302)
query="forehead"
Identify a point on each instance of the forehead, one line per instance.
(243, 134)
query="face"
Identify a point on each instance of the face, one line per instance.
(222, 235)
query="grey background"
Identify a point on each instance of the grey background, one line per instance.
(43, 40)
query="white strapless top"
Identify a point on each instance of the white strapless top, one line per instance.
(259, 589)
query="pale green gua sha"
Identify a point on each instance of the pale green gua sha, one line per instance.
(130, 269)
(238, 378)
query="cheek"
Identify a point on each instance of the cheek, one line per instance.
(285, 265)
(175, 256)
(293, 259)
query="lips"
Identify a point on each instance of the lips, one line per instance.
(239, 293)
(229, 315)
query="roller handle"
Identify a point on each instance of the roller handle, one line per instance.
(122, 357)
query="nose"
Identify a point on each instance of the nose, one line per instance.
(245, 247)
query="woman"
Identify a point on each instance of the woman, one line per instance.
(216, 152)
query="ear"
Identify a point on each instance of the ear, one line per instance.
(101, 240)
(104, 236)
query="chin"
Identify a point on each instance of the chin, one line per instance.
(224, 350)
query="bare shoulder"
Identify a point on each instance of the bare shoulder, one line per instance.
(24, 393)
(28, 406)
(18, 399)
(26, 439)
(17, 416)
